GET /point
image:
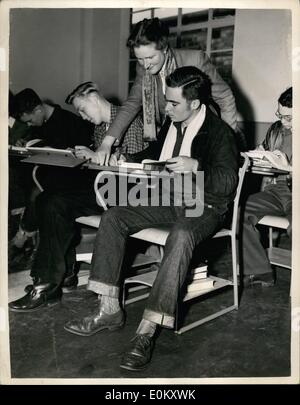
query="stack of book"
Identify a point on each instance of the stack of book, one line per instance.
(198, 280)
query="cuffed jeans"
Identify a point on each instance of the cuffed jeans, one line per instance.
(109, 249)
(276, 199)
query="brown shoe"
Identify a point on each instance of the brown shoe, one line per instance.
(92, 324)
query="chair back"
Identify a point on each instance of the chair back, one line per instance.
(242, 171)
(99, 199)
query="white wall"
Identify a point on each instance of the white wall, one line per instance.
(261, 61)
(53, 50)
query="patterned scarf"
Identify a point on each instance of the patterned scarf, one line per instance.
(150, 97)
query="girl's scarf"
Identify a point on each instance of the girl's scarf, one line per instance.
(150, 97)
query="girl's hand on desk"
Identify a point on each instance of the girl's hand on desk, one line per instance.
(116, 159)
(82, 152)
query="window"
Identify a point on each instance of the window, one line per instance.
(211, 30)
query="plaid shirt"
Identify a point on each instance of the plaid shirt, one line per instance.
(133, 139)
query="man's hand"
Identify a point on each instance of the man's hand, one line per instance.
(182, 164)
(103, 152)
(82, 152)
(279, 160)
(21, 142)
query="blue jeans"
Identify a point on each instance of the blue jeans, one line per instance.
(109, 249)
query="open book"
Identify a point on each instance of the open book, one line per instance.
(147, 164)
(266, 158)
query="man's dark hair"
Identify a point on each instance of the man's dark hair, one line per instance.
(26, 101)
(195, 83)
(147, 31)
(286, 98)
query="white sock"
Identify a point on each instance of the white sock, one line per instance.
(110, 305)
(146, 328)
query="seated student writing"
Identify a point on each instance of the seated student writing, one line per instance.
(57, 128)
(53, 268)
(203, 143)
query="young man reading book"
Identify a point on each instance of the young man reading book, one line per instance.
(275, 199)
(195, 140)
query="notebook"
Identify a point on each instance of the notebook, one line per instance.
(53, 157)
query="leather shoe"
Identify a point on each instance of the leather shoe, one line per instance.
(92, 324)
(139, 356)
(264, 280)
(41, 295)
(35, 281)
(70, 283)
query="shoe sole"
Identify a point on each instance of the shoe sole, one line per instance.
(110, 328)
(68, 290)
(134, 368)
(47, 304)
(259, 283)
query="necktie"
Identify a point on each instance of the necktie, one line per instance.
(179, 138)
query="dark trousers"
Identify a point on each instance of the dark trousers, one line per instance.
(56, 214)
(29, 220)
(276, 199)
(109, 249)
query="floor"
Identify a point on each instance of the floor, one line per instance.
(251, 342)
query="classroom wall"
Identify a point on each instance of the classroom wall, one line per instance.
(53, 50)
(261, 65)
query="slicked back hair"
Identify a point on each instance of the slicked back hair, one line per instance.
(82, 90)
(195, 83)
(286, 98)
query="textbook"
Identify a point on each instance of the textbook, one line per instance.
(18, 149)
(131, 165)
(266, 158)
(198, 273)
(146, 164)
(199, 285)
(155, 165)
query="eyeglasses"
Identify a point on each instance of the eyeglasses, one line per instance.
(286, 117)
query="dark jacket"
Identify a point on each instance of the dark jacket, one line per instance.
(215, 149)
(65, 130)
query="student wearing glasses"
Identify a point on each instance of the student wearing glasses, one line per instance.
(275, 199)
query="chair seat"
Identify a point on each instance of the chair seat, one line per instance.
(153, 235)
(280, 257)
(92, 220)
(160, 235)
(274, 221)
